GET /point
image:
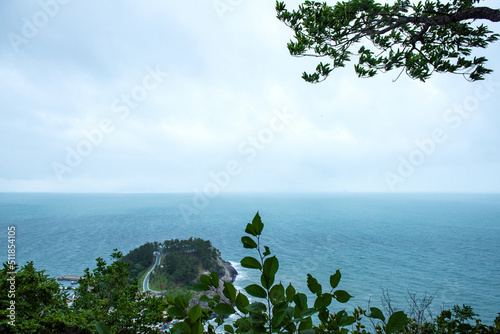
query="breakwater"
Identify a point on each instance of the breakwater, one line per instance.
(69, 278)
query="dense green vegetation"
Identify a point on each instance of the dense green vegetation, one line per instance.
(140, 259)
(179, 268)
(107, 302)
(26, 296)
(183, 262)
(200, 248)
(104, 296)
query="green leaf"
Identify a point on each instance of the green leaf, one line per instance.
(170, 300)
(250, 229)
(309, 312)
(397, 321)
(267, 282)
(229, 329)
(223, 309)
(197, 328)
(201, 287)
(343, 319)
(271, 266)
(256, 291)
(194, 313)
(251, 263)
(182, 301)
(290, 293)
(305, 324)
(205, 298)
(177, 312)
(205, 279)
(267, 251)
(257, 307)
(323, 301)
(229, 291)
(241, 302)
(243, 325)
(341, 314)
(375, 313)
(181, 327)
(102, 328)
(257, 224)
(323, 315)
(313, 285)
(335, 279)
(300, 300)
(342, 296)
(277, 293)
(307, 331)
(279, 313)
(248, 242)
(214, 279)
(258, 319)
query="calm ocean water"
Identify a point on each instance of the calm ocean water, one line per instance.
(448, 244)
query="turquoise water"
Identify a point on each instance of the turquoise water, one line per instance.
(434, 243)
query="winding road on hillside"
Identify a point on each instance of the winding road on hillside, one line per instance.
(145, 284)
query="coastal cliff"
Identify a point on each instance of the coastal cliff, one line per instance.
(227, 273)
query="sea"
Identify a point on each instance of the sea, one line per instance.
(441, 245)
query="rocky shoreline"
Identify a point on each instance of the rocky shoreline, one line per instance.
(229, 273)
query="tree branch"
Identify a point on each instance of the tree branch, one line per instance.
(474, 13)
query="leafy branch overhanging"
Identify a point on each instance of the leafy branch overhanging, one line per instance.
(419, 38)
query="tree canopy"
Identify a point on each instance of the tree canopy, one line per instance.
(420, 38)
(105, 296)
(32, 302)
(140, 259)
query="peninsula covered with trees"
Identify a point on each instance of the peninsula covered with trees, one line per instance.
(182, 262)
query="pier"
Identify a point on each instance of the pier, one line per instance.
(69, 278)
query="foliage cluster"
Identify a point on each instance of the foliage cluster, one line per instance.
(140, 259)
(183, 261)
(458, 320)
(105, 295)
(269, 306)
(420, 37)
(104, 298)
(39, 303)
(179, 268)
(202, 249)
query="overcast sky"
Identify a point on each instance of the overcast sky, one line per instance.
(183, 96)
